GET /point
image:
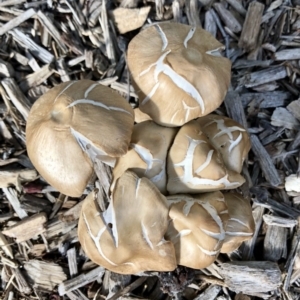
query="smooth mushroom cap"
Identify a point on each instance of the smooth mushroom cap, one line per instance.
(240, 226)
(139, 116)
(229, 138)
(178, 72)
(71, 125)
(128, 237)
(147, 154)
(195, 166)
(197, 229)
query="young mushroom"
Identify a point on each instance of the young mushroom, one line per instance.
(71, 125)
(178, 72)
(240, 226)
(197, 228)
(128, 237)
(194, 166)
(229, 138)
(147, 155)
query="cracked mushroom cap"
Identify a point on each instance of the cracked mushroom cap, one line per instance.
(178, 72)
(194, 166)
(197, 228)
(128, 237)
(240, 226)
(71, 125)
(147, 154)
(229, 138)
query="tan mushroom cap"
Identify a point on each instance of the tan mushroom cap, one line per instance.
(195, 166)
(147, 154)
(178, 72)
(72, 124)
(128, 237)
(139, 116)
(197, 229)
(240, 226)
(229, 138)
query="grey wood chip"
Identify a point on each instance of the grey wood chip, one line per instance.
(44, 275)
(228, 18)
(210, 293)
(265, 161)
(17, 21)
(264, 76)
(275, 243)
(80, 281)
(251, 27)
(294, 108)
(251, 277)
(281, 117)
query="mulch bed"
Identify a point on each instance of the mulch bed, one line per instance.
(44, 43)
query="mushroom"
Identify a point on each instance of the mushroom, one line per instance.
(197, 228)
(71, 125)
(147, 154)
(178, 72)
(139, 116)
(128, 237)
(195, 166)
(240, 226)
(229, 138)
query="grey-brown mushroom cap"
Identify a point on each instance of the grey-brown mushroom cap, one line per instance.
(229, 138)
(128, 237)
(178, 72)
(70, 117)
(195, 166)
(197, 227)
(241, 225)
(147, 155)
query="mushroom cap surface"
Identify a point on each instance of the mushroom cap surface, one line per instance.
(229, 138)
(178, 72)
(147, 154)
(71, 117)
(197, 229)
(195, 166)
(241, 225)
(128, 237)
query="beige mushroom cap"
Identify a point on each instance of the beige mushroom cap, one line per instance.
(139, 116)
(70, 125)
(128, 237)
(229, 138)
(240, 226)
(197, 229)
(195, 166)
(178, 72)
(147, 154)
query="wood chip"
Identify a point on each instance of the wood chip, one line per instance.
(251, 277)
(228, 18)
(34, 226)
(4, 245)
(127, 19)
(16, 177)
(79, 281)
(281, 117)
(251, 27)
(265, 161)
(17, 21)
(294, 109)
(292, 183)
(44, 275)
(275, 243)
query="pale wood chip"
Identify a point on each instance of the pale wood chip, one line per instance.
(294, 108)
(44, 275)
(79, 281)
(34, 226)
(281, 117)
(128, 19)
(17, 21)
(4, 245)
(16, 177)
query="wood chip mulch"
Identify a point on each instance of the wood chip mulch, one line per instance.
(44, 43)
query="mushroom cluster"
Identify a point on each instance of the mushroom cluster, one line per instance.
(166, 207)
